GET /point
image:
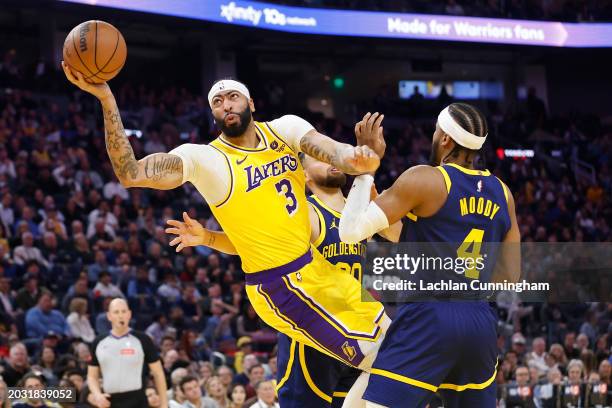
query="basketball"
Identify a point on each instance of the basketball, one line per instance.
(96, 49)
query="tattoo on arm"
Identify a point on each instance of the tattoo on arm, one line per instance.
(118, 146)
(157, 166)
(314, 149)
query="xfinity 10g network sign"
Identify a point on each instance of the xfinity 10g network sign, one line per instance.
(374, 24)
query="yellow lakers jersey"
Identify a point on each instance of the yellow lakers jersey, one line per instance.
(265, 213)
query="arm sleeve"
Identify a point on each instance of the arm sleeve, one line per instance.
(94, 357)
(150, 351)
(291, 129)
(361, 218)
(206, 168)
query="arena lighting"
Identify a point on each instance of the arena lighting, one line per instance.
(133, 132)
(515, 153)
(374, 24)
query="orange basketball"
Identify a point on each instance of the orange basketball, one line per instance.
(95, 49)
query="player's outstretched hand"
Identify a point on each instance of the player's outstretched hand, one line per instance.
(100, 91)
(189, 232)
(359, 160)
(369, 131)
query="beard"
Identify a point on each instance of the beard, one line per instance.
(236, 129)
(433, 159)
(332, 180)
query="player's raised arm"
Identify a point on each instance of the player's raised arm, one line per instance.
(346, 158)
(162, 171)
(362, 218)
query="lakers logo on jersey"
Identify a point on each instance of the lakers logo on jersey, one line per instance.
(333, 224)
(264, 214)
(257, 174)
(349, 351)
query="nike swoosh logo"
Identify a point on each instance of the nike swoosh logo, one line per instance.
(239, 162)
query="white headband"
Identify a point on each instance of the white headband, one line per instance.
(227, 85)
(459, 134)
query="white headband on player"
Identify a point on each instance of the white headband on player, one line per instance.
(226, 85)
(459, 134)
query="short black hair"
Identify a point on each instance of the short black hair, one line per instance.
(29, 375)
(187, 379)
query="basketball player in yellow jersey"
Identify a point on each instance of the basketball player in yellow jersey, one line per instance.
(254, 183)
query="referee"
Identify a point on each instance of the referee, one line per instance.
(120, 357)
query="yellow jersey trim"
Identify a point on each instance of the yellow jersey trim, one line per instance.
(308, 379)
(247, 149)
(229, 165)
(339, 394)
(278, 137)
(404, 379)
(322, 226)
(471, 386)
(412, 216)
(337, 325)
(289, 365)
(503, 188)
(447, 179)
(471, 172)
(328, 208)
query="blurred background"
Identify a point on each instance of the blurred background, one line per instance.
(71, 233)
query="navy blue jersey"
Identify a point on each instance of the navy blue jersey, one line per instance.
(348, 257)
(471, 223)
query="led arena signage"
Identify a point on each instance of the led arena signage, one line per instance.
(374, 24)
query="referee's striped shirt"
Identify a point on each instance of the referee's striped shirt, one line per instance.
(122, 360)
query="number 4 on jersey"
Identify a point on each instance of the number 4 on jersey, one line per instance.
(474, 239)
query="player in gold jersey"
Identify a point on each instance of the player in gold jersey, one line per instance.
(254, 183)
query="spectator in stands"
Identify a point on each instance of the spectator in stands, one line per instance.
(159, 328)
(569, 345)
(28, 252)
(7, 297)
(78, 321)
(537, 357)
(237, 396)
(105, 286)
(605, 371)
(47, 365)
(43, 318)
(216, 391)
(266, 396)
(256, 374)
(226, 375)
(218, 331)
(102, 324)
(140, 292)
(152, 397)
(190, 387)
(77, 291)
(17, 364)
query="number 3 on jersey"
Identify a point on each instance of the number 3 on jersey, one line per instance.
(284, 187)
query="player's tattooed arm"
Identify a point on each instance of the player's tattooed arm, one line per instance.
(346, 158)
(161, 171)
